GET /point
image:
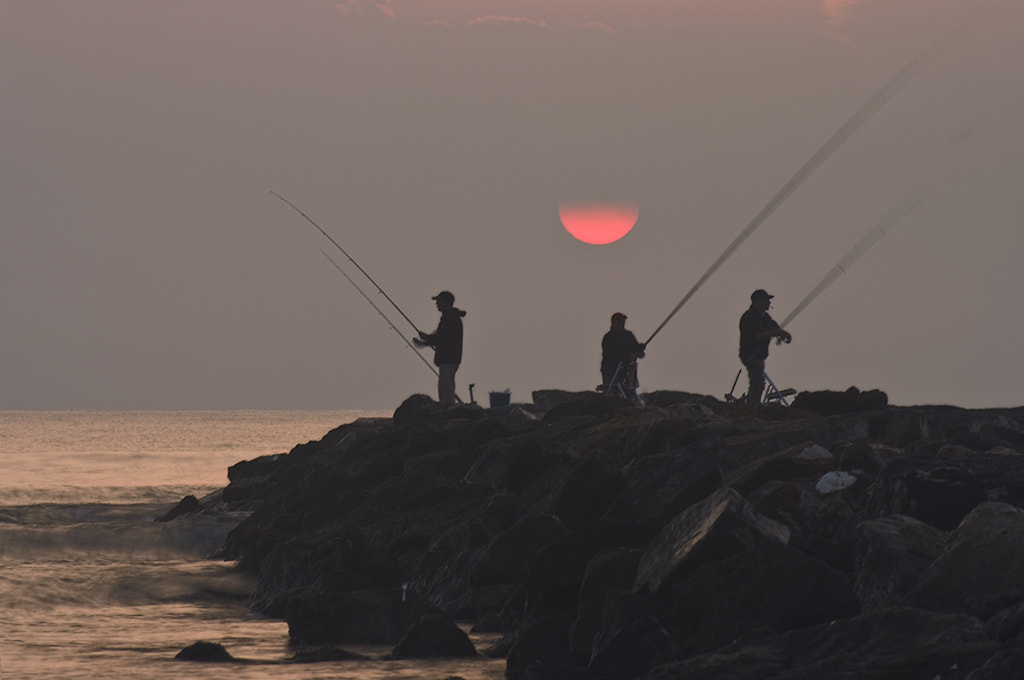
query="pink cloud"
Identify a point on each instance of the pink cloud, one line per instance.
(837, 12)
(356, 7)
(386, 9)
(599, 26)
(494, 20)
(437, 22)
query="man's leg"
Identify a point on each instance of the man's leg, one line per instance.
(446, 383)
(755, 374)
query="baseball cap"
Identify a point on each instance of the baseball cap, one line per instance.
(444, 295)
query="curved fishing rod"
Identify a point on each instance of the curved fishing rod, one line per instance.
(896, 214)
(865, 112)
(383, 315)
(350, 259)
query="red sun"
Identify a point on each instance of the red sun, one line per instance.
(598, 223)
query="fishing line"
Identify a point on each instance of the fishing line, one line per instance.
(383, 315)
(896, 214)
(883, 95)
(350, 259)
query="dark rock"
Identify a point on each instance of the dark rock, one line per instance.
(415, 409)
(768, 587)
(567, 404)
(587, 491)
(205, 651)
(1008, 624)
(806, 460)
(257, 467)
(554, 573)
(889, 644)
(434, 637)
(325, 654)
(891, 556)
(983, 563)
(659, 487)
(541, 651)
(722, 525)
(505, 559)
(354, 617)
(861, 456)
(1005, 664)
(337, 564)
(586, 534)
(942, 483)
(631, 651)
(186, 506)
(833, 403)
(615, 569)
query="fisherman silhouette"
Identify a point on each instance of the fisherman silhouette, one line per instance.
(619, 351)
(447, 344)
(757, 328)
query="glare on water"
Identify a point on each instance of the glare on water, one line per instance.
(92, 587)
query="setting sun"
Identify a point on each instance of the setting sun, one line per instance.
(598, 223)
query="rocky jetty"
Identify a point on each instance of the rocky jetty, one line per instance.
(839, 538)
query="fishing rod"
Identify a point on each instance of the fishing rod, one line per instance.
(350, 259)
(889, 220)
(894, 216)
(383, 315)
(861, 116)
(393, 327)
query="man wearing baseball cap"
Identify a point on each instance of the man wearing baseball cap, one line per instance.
(757, 328)
(447, 344)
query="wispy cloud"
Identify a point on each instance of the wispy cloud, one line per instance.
(837, 12)
(437, 22)
(386, 9)
(495, 20)
(599, 26)
(356, 7)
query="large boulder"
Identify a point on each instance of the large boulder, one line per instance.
(432, 637)
(661, 486)
(834, 403)
(889, 644)
(982, 567)
(892, 553)
(610, 570)
(379, 616)
(722, 525)
(770, 587)
(206, 652)
(506, 557)
(587, 490)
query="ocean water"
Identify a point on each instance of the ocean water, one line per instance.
(92, 587)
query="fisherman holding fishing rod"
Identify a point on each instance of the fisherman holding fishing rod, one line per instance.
(447, 344)
(757, 328)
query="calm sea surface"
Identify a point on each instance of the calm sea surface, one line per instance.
(92, 587)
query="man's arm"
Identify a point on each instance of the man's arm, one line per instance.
(776, 331)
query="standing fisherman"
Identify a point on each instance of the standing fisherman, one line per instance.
(447, 344)
(619, 350)
(757, 328)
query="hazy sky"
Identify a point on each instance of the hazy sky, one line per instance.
(146, 265)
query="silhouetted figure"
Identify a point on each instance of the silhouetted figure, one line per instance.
(447, 344)
(619, 351)
(757, 328)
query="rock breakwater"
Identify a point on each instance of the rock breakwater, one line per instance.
(688, 538)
